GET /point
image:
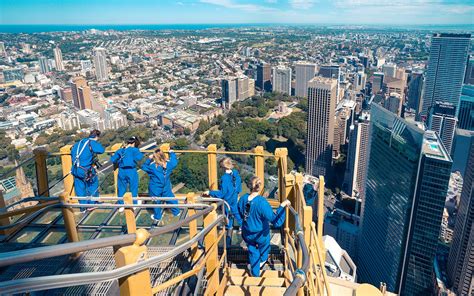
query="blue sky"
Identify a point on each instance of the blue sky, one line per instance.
(396, 12)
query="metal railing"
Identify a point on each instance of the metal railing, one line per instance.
(306, 274)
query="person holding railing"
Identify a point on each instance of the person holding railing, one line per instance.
(126, 159)
(159, 168)
(83, 153)
(230, 187)
(257, 214)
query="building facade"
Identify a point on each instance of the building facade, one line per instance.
(264, 77)
(322, 96)
(304, 72)
(461, 254)
(443, 120)
(58, 59)
(100, 64)
(466, 108)
(81, 93)
(446, 70)
(282, 80)
(407, 181)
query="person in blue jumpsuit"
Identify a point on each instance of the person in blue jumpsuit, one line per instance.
(159, 168)
(257, 214)
(230, 187)
(125, 159)
(86, 182)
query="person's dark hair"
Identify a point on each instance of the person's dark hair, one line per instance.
(94, 134)
(134, 140)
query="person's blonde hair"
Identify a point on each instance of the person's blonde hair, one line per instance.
(255, 184)
(160, 158)
(226, 163)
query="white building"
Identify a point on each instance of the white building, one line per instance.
(100, 64)
(68, 121)
(338, 263)
(304, 72)
(86, 66)
(58, 59)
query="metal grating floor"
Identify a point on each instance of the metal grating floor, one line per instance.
(96, 261)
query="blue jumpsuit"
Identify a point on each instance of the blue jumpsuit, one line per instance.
(160, 183)
(230, 187)
(126, 160)
(86, 182)
(256, 228)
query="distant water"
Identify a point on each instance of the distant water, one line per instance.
(68, 28)
(62, 28)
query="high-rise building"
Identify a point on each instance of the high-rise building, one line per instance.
(393, 103)
(443, 120)
(282, 80)
(329, 71)
(359, 81)
(58, 59)
(81, 93)
(461, 254)
(358, 157)
(44, 64)
(407, 182)
(229, 91)
(415, 87)
(446, 69)
(466, 108)
(3, 51)
(322, 97)
(100, 64)
(264, 77)
(469, 77)
(389, 70)
(304, 72)
(377, 82)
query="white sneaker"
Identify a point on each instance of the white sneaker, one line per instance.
(121, 209)
(154, 219)
(262, 264)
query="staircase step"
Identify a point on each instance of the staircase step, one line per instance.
(265, 273)
(253, 290)
(256, 281)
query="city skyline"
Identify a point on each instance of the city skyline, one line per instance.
(419, 12)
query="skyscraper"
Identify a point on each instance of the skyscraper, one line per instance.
(100, 64)
(81, 93)
(322, 96)
(461, 254)
(442, 120)
(377, 82)
(3, 51)
(407, 182)
(446, 69)
(264, 77)
(359, 81)
(415, 87)
(389, 69)
(304, 73)
(469, 77)
(282, 80)
(229, 91)
(44, 64)
(466, 108)
(358, 157)
(58, 59)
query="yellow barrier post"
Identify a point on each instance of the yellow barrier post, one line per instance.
(41, 171)
(66, 163)
(138, 283)
(281, 155)
(212, 263)
(129, 214)
(3, 221)
(307, 219)
(69, 221)
(212, 166)
(190, 199)
(260, 165)
(114, 149)
(321, 212)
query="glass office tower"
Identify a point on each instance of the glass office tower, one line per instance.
(407, 180)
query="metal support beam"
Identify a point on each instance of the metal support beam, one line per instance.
(114, 149)
(195, 252)
(212, 263)
(66, 163)
(138, 283)
(129, 213)
(41, 171)
(212, 166)
(69, 221)
(281, 154)
(260, 165)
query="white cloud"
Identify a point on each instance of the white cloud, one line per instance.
(233, 5)
(302, 4)
(271, 1)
